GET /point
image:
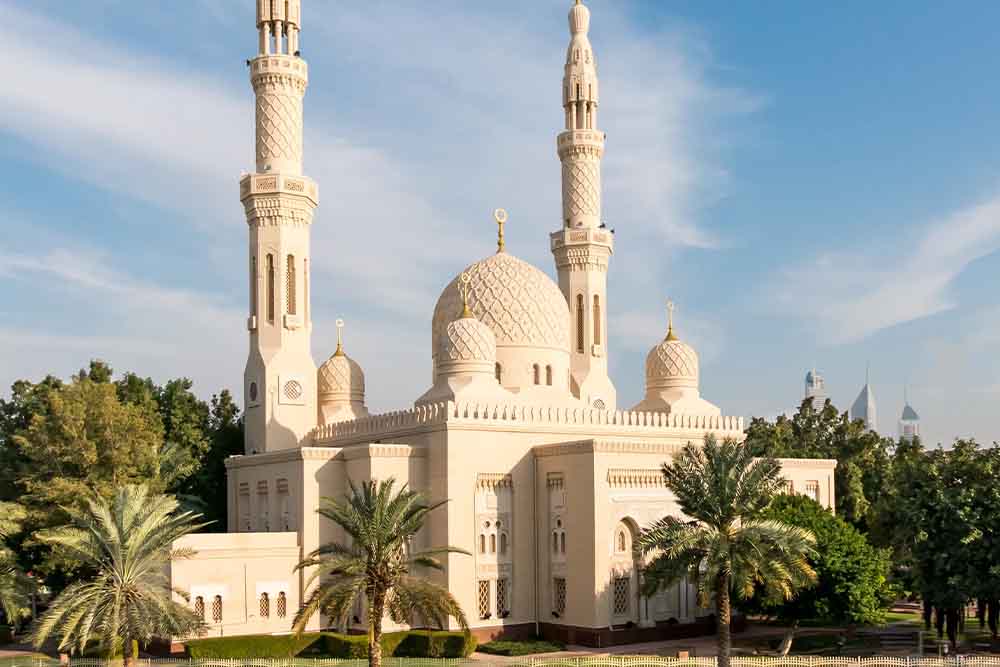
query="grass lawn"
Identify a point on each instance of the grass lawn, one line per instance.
(515, 648)
(907, 617)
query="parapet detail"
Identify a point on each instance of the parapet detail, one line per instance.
(512, 414)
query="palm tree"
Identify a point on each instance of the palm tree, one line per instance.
(127, 543)
(377, 564)
(15, 586)
(725, 545)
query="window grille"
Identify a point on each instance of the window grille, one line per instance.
(559, 595)
(597, 320)
(502, 595)
(282, 606)
(270, 287)
(290, 284)
(484, 599)
(199, 607)
(622, 595)
(265, 605)
(217, 609)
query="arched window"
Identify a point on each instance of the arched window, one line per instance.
(290, 284)
(597, 320)
(282, 605)
(482, 543)
(253, 285)
(499, 372)
(199, 607)
(548, 375)
(270, 288)
(217, 609)
(579, 323)
(621, 542)
(305, 286)
(555, 541)
(537, 372)
(265, 605)
(503, 543)
(493, 543)
(562, 542)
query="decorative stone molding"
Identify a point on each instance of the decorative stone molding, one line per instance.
(494, 480)
(554, 480)
(383, 451)
(828, 464)
(635, 478)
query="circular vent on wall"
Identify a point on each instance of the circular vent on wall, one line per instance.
(293, 390)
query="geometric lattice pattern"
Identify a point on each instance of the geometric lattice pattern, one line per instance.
(622, 595)
(518, 302)
(484, 598)
(468, 339)
(282, 605)
(199, 607)
(217, 609)
(265, 605)
(559, 595)
(581, 188)
(672, 359)
(279, 126)
(502, 597)
(340, 373)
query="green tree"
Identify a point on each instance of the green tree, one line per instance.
(852, 584)
(15, 587)
(127, 542)
(377, 564)
(728, 544)
(863, 456)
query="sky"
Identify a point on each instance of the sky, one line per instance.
(814, 186)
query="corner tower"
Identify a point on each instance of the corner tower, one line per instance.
(583, 246)
(280, 378)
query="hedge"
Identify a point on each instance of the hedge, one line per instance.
(6, 634)
(406, 644)
(251, 646)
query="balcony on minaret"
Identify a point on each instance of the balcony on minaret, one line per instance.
(266, 184)
(589, 236)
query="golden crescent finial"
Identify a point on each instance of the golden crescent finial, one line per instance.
(500, 215)
(340, 338)
(670, 321)
(464, 291)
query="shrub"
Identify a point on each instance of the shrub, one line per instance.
(406, 644)
(515, 648)
(251, 646)
(6, 634)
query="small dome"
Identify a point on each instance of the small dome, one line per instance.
(519, 303)
(341, 377)
(672, 363)
(467, 339)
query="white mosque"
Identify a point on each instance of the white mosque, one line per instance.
(548, 477)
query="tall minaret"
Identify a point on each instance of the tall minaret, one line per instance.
(583, 246)
(280, 377)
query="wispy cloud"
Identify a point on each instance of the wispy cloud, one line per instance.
(851, 293)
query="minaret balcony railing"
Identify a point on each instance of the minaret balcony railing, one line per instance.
(582, 236)
(270, 184)
(278, 64)
(593, 139)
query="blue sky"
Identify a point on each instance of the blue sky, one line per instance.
(812, 184)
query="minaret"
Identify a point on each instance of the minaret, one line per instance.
(583, 246)
(280, 377)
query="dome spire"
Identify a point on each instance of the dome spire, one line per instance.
(670, 321)
(340, 339)
(464, 289)
(500, 215)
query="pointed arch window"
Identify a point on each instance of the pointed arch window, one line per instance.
(290, 284)
(271, 288)
(597, 320)
(305, 287)
(580, 316)
(548, 375)
(253, 286)
(482, 543)
(493, 543)
(503, 543)
(499, 372)
(537, 371)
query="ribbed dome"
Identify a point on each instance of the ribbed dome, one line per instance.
(467, 339)
(341, 377)
(521, 305)
(672, 363)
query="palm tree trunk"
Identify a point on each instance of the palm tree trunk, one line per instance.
(128, 651)
(723, 615)
(375, 612)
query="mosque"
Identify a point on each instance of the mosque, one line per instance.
(548, 478)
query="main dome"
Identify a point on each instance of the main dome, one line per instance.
(518, 302)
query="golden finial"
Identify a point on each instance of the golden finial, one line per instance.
(464, 291)
(500, 216)
(670, 321)
(340, 339)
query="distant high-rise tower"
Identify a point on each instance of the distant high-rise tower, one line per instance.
(280, 377)
(815, 389)
(864, 406)
(909, 421)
